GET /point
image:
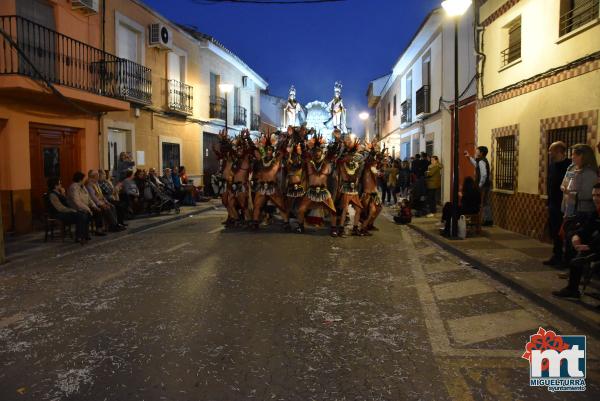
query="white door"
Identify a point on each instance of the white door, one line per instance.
(128, 43)
(117, 143)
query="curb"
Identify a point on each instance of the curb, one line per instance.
(76, 248)
(554, 308)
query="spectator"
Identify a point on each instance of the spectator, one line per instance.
(111, 194)
(131, 193)
(415, 166)
(434, 184)
(108, 210)
(470, 203)
(404, 179)
(188, 189)
(382, 181)
(392, 181)
(578, 183)
(154, 178)
(176, 181)
(58, 208)
(585, 241)
(404, 214)
(482, 174)
(556, 172)
(79, 199)
(124, 164)
(167, 181)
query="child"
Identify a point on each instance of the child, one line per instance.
(405, 213)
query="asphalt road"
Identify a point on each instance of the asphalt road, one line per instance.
(188, 311)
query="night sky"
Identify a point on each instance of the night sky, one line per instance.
(310, 45)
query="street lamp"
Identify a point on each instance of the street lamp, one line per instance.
(455, 9)
(226, 88)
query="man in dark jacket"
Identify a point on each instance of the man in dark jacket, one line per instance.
(559, 163)
(585, 240)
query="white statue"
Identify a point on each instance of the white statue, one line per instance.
(292, 110)
(337, 109)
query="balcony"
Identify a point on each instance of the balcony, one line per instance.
(239, 116)
(423, 105)
(218, 108)
(255, 124)
(180, 98)
(510, 54)
(577, 16)
(43, 54)
(406, 107)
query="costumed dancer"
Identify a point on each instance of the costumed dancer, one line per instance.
(238, 189)
(318, 168)
(294, 168)
(223, 152)
(370, 199)
(349, 169)
(269, 155)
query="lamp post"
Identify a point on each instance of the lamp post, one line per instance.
(455, 9)
(226, 88)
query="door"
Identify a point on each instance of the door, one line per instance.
(37, 43)
(117, 143)
(210, 161)
(53, 153)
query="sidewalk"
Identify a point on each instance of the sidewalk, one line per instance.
(31, 247)
(516, 261)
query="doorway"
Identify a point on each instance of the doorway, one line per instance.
(119, 140)
(53, 152)
(209, 159)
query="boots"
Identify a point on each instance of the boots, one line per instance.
(300, 228)
(340, 231)
(357, 232)
(333, 231)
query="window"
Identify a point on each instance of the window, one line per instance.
(576, 13)
(570, 136)
(215, 80)
(409, 86)
(429, 148)
(388, 111)
(505, 162)
(130, 39)
(176, 66)
(170, 155)
(513, 51)
(395, 105)
(244, 81)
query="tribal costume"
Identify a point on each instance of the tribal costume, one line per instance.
(370, 199)
(349, 169)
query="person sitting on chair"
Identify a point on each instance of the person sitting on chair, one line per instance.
(585, 241)
(470, 203)
(58, 208)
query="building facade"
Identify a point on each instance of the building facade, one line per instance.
(540, 83)
(271, 112)
(162, 126)
(411, 105)
(53, 92)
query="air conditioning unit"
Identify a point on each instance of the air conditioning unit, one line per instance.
(87, 6)
(160, 36)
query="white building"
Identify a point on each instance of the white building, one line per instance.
(271, 112)
(411, 104)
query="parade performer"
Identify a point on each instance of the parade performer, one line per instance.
(269, 156)
(318, 168)
(349, 169)
(238, 189)
(337, 109)
(294, 168)
(223, 152)
(371, 202)
(292, 110)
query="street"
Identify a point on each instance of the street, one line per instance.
(190, 311)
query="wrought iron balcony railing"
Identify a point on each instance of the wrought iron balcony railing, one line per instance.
(406, 111)
(180, 97)
(512, 53)
(239, 116)
(218, 108)
(575, 17)
(30, 49)
(255, 124)
(423, 104)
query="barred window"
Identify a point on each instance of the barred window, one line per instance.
(505, 162)
(570, 136)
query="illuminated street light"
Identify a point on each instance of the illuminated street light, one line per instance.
(364, 116)
(456, 8)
